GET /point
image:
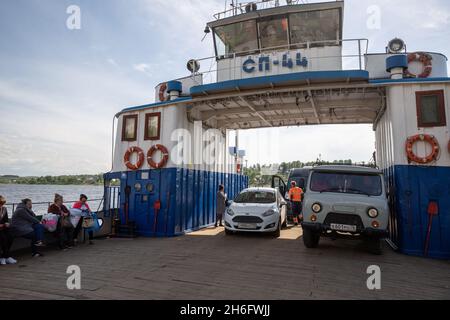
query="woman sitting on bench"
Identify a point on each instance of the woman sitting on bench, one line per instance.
(6, 238)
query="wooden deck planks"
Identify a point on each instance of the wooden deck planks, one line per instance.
(210, 265)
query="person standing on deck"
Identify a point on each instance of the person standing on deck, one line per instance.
(65, 229)
(295, 195)
(84, 207)
(221, 205)
(6, 238)
(25, 225)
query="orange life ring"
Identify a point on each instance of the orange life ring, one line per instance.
(426, 60)
(162, 92)
(141, 158)
(164, 158)
(433, 156)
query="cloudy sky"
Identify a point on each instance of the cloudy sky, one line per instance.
(60, 88)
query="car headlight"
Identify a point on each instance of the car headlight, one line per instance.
(269, 213)
(316, 207)
(373, 213)
(230, 212)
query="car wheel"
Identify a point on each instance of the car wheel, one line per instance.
(277, 233)
(374, 246)
(228, 232)
(311, 239)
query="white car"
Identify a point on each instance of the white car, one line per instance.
(257, 210)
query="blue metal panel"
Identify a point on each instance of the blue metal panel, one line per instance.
(187, 197)
(282, 79)
(415, 187)
(397, 61)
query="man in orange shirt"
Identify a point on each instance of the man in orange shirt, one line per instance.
(295, 195)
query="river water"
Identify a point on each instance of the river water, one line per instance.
(14, 193)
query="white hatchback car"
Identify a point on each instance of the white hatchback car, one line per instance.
(257, 210)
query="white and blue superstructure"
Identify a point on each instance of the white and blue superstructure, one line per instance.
(281, 65)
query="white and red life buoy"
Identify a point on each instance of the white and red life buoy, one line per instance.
(141, 158)
(163, 92)
(427, 63)
(164, 158)
(433, 156)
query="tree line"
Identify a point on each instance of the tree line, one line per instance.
(261, 175)
(54, 180)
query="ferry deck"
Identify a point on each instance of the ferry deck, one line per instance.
(159, 207)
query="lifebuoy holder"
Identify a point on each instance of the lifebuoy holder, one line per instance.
(164, 158)
(433, 156)
(427, 61)
(141, 158)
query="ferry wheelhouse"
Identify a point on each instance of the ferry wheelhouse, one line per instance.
(281, 65)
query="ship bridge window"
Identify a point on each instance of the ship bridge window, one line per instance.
(431, 109)
(236, 38)
(315, 26)
(153, 126)
(129, 128)
(273, 32)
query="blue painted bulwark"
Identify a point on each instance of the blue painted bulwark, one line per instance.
(282, 80)
(408, 80)
(397, 61)
(187, 197)
(174, 86)
(414, 188)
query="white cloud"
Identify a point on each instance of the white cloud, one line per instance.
(112, 62)
(144, 68)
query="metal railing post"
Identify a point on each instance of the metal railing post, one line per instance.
(359, 50)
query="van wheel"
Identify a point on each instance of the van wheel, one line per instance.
(311, 239)
(374, 246)
(277, 233)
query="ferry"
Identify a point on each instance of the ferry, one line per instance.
(279, 64)
(288, 65)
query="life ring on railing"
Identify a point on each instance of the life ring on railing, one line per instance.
(426, 60)
(412, 157)
(141, 158)
(164, 158)
(162, 92)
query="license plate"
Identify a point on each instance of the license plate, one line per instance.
(249, 226)
(343, 227)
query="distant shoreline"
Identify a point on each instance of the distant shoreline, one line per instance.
(74, 180)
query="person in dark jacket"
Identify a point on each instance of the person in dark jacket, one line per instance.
(64, 231)
(26, 225)
(221, 205)
(6, 238)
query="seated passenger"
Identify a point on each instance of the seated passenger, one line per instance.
(65, 228)
(26, 225)
(84, 207)
(6, 238)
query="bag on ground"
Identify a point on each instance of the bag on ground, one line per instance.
(91, 223)
(75, 217)
(50, 222)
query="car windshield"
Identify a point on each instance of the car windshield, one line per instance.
(353, 183)
(256, 197)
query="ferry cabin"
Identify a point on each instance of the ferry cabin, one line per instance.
(279, 66)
